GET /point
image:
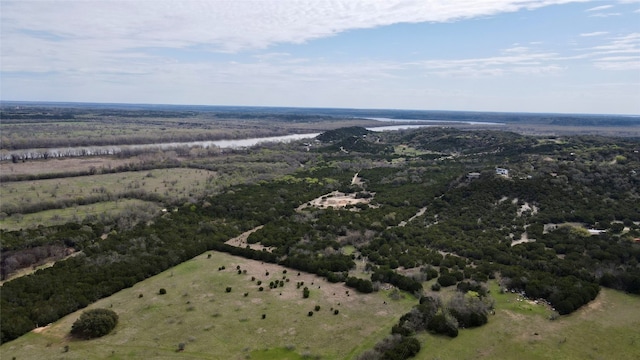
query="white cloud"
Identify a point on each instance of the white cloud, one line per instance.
(620, 53)
(626, 43)
(606, 15)
(595, 33)
(230, 25)
(113, 37)
(517, 60)
(599, 8)
(618, 63)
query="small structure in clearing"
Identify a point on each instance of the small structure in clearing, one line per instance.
(502, 172)
(336, 199)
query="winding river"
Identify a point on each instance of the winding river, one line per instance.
(42, 153)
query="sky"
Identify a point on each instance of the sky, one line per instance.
(544, 56)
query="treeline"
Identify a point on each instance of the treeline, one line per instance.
(79, 201)
(105, 267)
(22, 116)
(133, 166)
(12, 261)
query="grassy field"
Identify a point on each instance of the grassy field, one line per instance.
(607, 328)
(409, 151)
(169, 183)
(69, 165)
(108, 209)
(215, 324)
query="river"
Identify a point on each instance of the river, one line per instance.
(42, 153)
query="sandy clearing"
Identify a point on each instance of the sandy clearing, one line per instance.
(241, 241)
(597, 304)
(334, 199)
(524, 238)
(40, 329)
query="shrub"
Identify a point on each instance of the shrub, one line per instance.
(469, 311)
(162, 291)
(443, 323)
(317, 308)
(310, 313)
(94, 323)
(228, 289)
(362, 285)
(447, 280)
(407, 347)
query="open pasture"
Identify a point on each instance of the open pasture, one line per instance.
(62, 166)
(102, 210)
(212, 323)
(169, 184)
(606, 328)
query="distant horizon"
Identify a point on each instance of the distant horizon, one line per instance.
(131, 104)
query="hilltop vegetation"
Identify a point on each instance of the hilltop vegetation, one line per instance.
(427, 224)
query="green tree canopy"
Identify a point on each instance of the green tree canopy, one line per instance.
(94, 323)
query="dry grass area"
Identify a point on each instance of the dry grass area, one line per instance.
(64, 165)
(169, 183)
(215, 324)
(241, 241)
(104, 210)
(555, 130)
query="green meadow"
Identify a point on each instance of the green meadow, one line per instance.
(166, 182)
(36, 196)
(108, 209)
(606, 328)
(211, 323)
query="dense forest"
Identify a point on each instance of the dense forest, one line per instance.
(558, 220)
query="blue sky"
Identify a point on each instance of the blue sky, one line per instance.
(478, 55)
